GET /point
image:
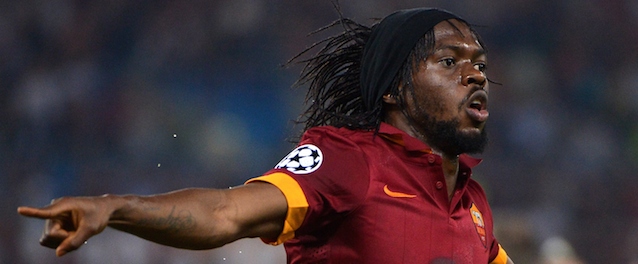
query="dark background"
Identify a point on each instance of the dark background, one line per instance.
(93, 94)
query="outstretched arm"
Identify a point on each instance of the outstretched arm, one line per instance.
(188, 218)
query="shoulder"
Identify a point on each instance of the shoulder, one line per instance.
(336, 133)
(327, 151)
(329, 165)
(477, 192)
(333, 139)
(476, 188)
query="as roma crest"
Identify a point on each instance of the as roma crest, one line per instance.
(479, 223)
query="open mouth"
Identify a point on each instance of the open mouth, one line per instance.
(477, 107)
(477, 104)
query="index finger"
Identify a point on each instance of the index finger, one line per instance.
(42, 213)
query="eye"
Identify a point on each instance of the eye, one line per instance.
(448, 62)
(480, 67)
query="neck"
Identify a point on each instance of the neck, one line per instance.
(450, 164)
(450, 171)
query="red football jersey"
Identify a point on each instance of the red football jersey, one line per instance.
(354, 197)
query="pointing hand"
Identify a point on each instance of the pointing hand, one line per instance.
(70, 222)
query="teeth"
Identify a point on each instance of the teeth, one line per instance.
(476, 104)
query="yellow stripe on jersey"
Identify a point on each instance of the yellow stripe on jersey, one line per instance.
(297, 203)
(501, 258)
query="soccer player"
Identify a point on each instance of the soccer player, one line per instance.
(380, 174)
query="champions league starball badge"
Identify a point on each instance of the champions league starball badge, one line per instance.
(302, 160)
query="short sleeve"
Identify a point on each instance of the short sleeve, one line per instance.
(501, 256)
(327, 173)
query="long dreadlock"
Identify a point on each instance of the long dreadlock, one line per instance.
(332, 76)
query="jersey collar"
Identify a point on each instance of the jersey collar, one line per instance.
(410, 143)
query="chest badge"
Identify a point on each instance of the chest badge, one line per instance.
(479, 223)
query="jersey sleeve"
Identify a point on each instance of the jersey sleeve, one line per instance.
(501, 256)
(324, 178)
(297, 204)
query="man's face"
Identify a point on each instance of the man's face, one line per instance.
(448, 97)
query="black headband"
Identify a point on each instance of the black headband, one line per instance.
(389, 45)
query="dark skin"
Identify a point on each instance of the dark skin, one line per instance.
(180, 218)
(176, 219)
(453, 77)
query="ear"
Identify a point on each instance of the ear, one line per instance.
(389, 99)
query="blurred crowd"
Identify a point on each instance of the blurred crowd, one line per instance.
(149, 96)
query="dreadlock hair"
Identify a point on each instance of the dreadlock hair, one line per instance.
(332, 77)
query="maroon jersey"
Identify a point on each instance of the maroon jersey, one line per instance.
(354, 197)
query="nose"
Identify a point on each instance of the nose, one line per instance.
(474, 76)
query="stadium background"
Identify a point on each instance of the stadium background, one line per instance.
(93, 94)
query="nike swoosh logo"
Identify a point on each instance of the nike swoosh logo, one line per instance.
(397, 194)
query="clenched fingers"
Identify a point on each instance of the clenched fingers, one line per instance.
(69, 222)
(53, 234)
(74, 241)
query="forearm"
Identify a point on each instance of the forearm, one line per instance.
(189, 218)
(202, 218)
